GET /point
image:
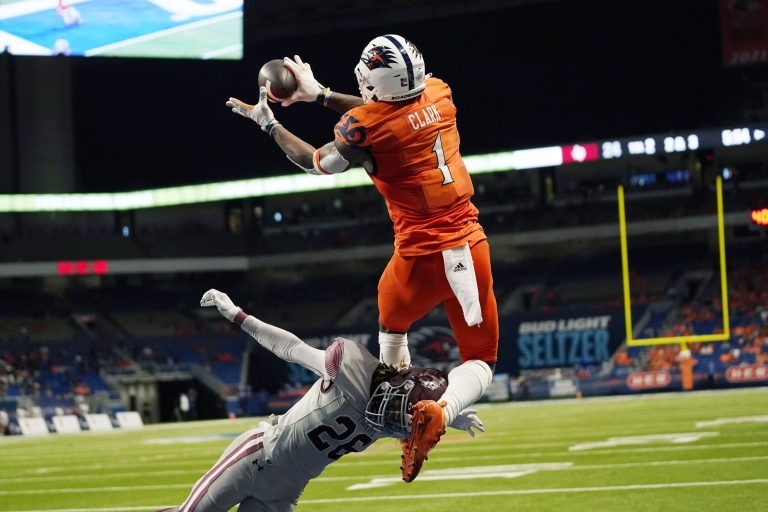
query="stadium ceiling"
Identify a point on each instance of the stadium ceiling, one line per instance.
(276, 20)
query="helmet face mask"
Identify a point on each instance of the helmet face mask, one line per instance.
(388, 411)
(366, 90)
(390, 69)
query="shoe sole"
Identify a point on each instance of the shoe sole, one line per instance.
(420, 421)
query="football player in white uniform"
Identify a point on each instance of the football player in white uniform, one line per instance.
(356, 401)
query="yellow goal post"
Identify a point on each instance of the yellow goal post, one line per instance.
(682, 340)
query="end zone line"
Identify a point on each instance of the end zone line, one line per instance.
(443, 496)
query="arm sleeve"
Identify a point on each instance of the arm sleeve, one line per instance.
(284, 344)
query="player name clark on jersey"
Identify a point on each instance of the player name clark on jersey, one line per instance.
(426, 116)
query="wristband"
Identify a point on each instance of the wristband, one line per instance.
(240, 317)
(270, 126)
(322, 98)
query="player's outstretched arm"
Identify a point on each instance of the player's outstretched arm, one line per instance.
(332, 158)
(340, 102)
(309, 89)
(298, 151)
(280, 342)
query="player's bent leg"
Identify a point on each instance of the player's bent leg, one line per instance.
(393, 349)
(406, 293)
(232, 479)
(466, 384)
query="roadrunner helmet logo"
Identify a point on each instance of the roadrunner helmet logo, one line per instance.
(379, 57)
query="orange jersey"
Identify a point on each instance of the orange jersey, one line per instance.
(418, 168)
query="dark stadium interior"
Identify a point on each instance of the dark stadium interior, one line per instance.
(526, 73)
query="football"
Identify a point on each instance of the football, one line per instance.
(278, 80)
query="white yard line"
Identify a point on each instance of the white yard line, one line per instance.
(622, 398)
(387, 462)
(560, 490)
(677, 462)
(90, 476)
(589, 467)
(89, 490)
(91, 509)
(566, 454)
(728, 421)
(452, 495)
(204, 462)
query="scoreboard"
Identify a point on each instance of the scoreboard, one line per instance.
(681, 142)
(659, 144)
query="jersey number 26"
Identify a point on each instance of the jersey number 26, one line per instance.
(323, 437)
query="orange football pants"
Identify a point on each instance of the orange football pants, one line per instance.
(412, 286)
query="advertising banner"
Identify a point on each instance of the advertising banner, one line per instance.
(563, 339)
(33, 427)
(66, 424)
(526, 341)
(129, 419)
(98, 422)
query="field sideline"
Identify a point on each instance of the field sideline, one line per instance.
(708, 451)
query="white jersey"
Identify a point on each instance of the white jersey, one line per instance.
(329, 420)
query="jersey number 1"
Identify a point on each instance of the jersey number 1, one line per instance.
(438, 150)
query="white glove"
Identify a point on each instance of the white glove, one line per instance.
(308, 88)
(222, 301)
(260, 113)
(467, 420)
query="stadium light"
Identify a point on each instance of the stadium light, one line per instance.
(520, 159)
(256, 187)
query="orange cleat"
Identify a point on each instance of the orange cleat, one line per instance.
(427, 425)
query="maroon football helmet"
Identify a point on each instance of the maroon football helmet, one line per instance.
(389, 410)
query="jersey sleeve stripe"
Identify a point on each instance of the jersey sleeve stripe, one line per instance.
(316, 160)
(333, 358)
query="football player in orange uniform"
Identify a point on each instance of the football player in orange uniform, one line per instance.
(403, 131)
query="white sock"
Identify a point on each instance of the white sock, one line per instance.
(393, 349)
(466, 384)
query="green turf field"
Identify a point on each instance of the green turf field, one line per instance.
(533, 457)
(216, 40)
